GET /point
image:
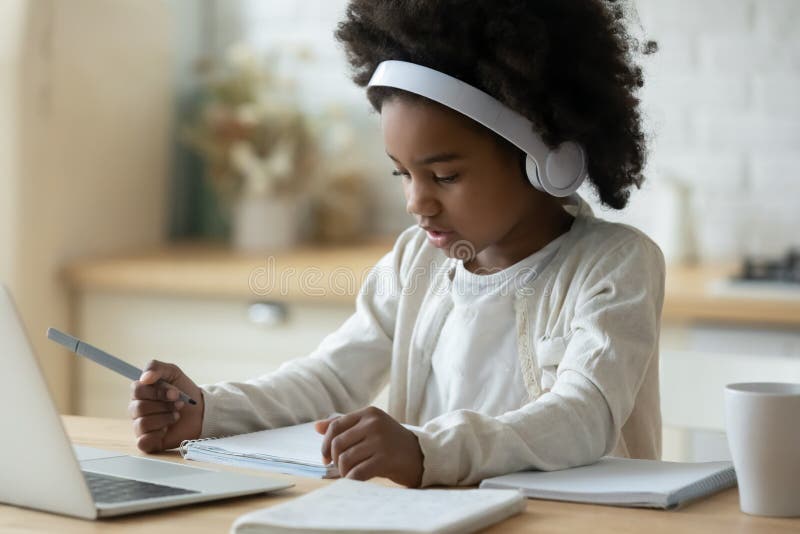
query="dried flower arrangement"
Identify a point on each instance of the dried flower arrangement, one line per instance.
(261, 154)
(250, 133)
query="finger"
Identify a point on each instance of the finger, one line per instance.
(156, 370)
(366, 470)
(152, 441)
(159, 391)
(144, 425)
(345, 440)
(322, 426)
(141, 408)
(335, 427)
(353, 456)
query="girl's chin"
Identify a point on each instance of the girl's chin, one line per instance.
(452, 245)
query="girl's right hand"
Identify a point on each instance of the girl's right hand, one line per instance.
(160, 419)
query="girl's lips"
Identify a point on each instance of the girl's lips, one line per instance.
(439, 239)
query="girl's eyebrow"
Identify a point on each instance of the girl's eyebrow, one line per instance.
(435, 158)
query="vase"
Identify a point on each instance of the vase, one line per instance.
(264, 223)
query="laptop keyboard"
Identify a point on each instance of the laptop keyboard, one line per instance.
(108, 489)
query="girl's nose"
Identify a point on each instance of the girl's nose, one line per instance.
(420, 200)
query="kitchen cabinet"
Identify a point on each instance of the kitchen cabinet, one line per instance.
(217, 314)
(714, 333)
(698, 360)
(210, 339)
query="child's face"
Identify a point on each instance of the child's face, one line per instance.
(464, 187)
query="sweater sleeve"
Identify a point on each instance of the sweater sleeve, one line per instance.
(613, 340)
(345, 372)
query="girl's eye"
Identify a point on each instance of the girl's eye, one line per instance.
(440, 179)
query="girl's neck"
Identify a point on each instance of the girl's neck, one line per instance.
(528, 236)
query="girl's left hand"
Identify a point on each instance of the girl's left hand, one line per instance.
(370, 443)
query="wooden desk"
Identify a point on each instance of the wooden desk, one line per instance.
(719, 513)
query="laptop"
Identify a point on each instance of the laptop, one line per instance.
(41, 469)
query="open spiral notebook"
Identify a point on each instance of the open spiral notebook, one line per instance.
(294, 450)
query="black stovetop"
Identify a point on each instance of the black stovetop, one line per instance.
(782, 269)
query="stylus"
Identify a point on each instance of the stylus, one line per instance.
(103, 358)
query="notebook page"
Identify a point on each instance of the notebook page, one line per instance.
(348, 505)
(298, 443)
(614, 475)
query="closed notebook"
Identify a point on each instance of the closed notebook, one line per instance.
(623, 482)
(294, 450)
(352, 506)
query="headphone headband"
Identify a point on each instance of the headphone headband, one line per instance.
(558, 172)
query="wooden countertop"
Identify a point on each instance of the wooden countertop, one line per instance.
(306, 273)
(334, 274)
(692, 295)
(717, 513)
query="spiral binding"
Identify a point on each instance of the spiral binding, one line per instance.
(183, 448)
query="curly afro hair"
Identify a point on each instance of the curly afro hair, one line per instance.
(567, 65)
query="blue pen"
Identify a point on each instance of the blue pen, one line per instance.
(103, 358)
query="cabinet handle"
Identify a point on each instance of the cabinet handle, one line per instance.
(267, 314)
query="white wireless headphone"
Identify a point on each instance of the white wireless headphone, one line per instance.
(558, 172)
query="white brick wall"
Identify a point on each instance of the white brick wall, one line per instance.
(722, 101)
(777, 94)
(777, 18)
(696, 16)
(722, 104)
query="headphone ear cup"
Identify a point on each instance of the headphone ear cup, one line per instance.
(566, 166)
(563, 171)
(532, 172)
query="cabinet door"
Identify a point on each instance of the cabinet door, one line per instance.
(697, 362)
(210, 339)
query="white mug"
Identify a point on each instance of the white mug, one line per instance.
(763, 425)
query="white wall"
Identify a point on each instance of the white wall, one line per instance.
(721, 100)
(87, 132)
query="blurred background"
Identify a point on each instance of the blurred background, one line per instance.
(198, 181)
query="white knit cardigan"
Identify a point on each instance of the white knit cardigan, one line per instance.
(587, 330)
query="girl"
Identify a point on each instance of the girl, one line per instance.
(516, 330)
